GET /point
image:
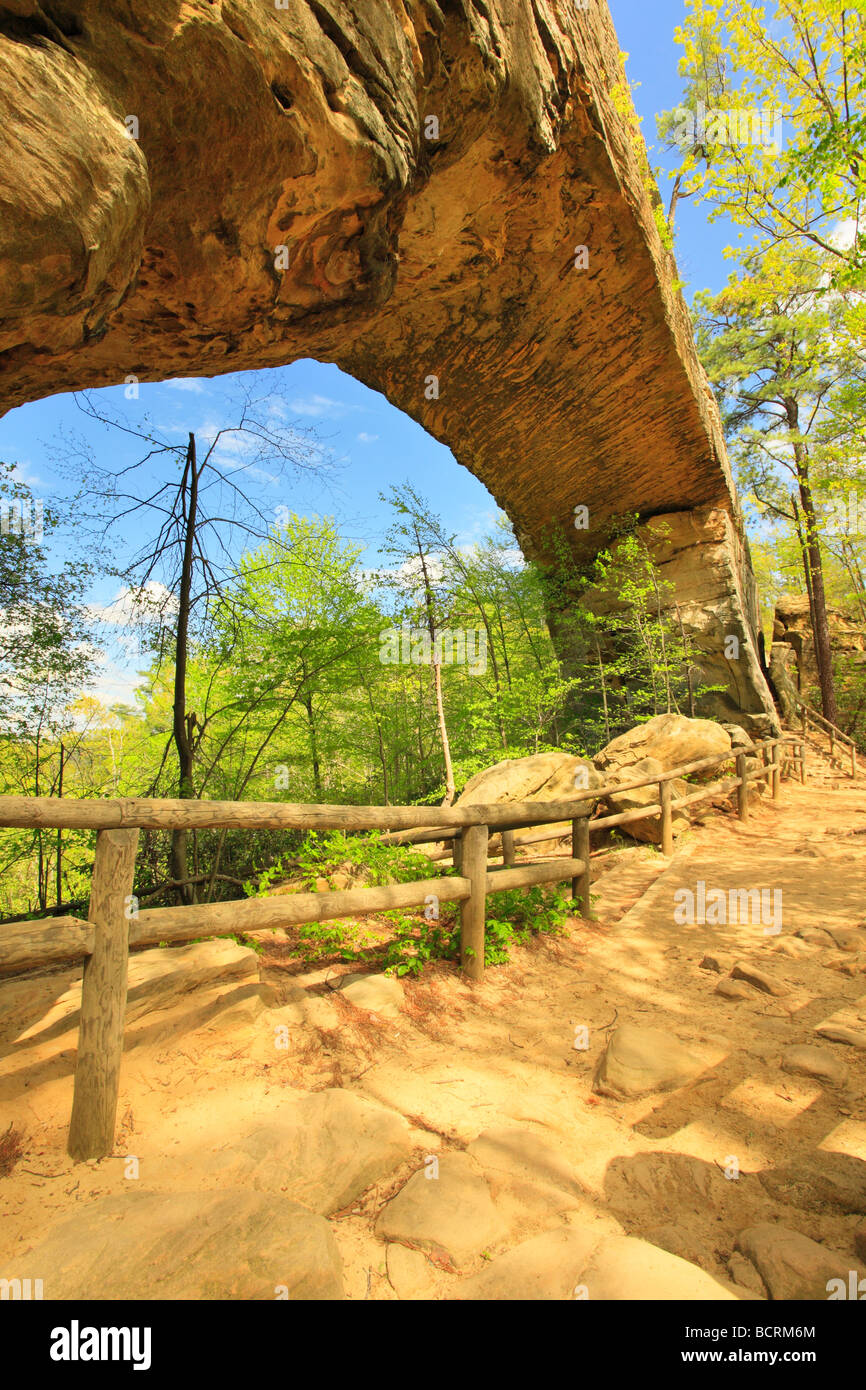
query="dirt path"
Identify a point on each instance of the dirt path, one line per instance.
(455, 1060)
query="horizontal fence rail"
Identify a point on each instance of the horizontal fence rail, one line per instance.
(115, 923)
(833, 732)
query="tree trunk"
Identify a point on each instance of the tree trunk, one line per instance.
(181, 723)
(437, 678)
(314, 746)
(820, 626)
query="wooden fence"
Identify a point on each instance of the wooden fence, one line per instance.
(833, 732)
(114, 922)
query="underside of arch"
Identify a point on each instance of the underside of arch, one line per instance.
(448, 200)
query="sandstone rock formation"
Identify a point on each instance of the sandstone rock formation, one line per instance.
(542, 777)
(793, 651)
(671, 739)
(452, 203)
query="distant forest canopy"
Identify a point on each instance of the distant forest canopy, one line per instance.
(295, 674)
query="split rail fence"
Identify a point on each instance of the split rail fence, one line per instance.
(114, 923)
(832, 731)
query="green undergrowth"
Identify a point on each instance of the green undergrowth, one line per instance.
(414, 938)
(415, 942)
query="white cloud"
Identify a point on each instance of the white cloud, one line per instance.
(115, 684)
(186, 383)
(367, 438)
(316, 406)
(842, 234)
(21, 474)
(131, 606)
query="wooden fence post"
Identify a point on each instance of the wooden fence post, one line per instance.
(103, 998)
(457, 851)
(853, 760)
(509, 855)
(743, 788)
(832, 733)
(580, 850)
(666, 818)
(776, 758)
(473, 910)
(803, 763)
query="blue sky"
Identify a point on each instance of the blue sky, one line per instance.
(369, 443)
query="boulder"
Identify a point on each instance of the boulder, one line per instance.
(542, 777)
(528, 1179)
(381, 994)
(839, 1033)
(791, 1265)
(640, 1061)
(445, 1209)
(717, 961)
(580, 1264)
(323, 1150)
(767, 984)
(233, 1245)
(734, 989)
(546, 1268)
(649, 829)
(835, 1180)
(815, 1062)
(670, 739)
(624, 1268)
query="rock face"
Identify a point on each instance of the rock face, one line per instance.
(793, 652)
(448, 202)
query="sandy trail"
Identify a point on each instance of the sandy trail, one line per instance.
(201, 1067)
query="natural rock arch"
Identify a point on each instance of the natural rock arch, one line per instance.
(564, 378)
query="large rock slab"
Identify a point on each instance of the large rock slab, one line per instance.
(526, 1176)
(187, 1245)
(828, 1180)
(790, 1264)
(381, 994)
(323, 1151)
(548, 1267)
(669, 739)
(450, 1215)
(818, 1063)
(173, 990)
(624, 1269)
(639, 1061)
